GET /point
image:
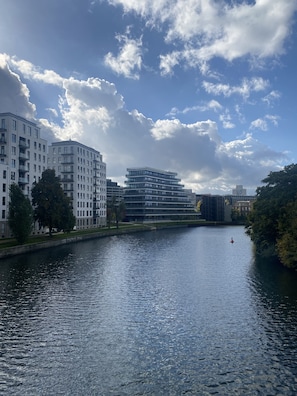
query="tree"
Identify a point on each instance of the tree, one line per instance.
(20, 216)
(116, 211)
(52, 208)
(273, 214)
(287, 241)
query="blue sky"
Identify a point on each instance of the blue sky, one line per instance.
(203, 88)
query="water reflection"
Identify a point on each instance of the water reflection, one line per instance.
(274, 296)
(173, 312)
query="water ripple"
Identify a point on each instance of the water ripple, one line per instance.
(167, 313)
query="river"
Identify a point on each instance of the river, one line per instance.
(172, 312)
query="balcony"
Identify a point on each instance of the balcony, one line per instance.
(66, 180)
(22, 168)
(23, 156)
(22, 180)
(23, 144)
(67, 162)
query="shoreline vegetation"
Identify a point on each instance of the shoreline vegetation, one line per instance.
(10, 247)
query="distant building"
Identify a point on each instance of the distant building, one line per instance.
(113, 190)
(192, 196)
(239, 191)
(243, 208)
(23, 158)
(212, 207)
(83, 178)
(156, 195)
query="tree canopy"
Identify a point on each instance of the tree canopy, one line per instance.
(52, 208)
(272, 224)
(20, 214)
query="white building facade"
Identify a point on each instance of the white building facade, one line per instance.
(23, 158)
(83, 178)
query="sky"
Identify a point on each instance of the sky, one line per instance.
(203, 88)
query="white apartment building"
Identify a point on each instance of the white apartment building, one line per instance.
(23, 158)
(83, 178)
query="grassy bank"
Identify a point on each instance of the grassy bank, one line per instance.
(10, 247)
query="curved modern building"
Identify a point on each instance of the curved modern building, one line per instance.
(156, 195)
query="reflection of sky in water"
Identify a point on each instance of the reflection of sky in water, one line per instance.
(153, 313)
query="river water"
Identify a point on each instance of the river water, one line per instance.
(178, 312)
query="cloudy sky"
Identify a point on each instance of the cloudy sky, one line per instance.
(204, 88)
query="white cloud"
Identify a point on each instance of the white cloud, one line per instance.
(15, 95)
(247, 86)
(226, 120)
(259, 123)
(93, 112)
(271, 98)
(32, 72)
(211, 105)
(129, 60)
(207, 29)
(262, 123)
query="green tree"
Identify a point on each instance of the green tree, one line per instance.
(286, 244)
(116, 211)
(20, 215)
(272, 212)
(52, 208)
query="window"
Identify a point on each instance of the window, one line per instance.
(3, 200)
(13, 163)
(4, 187)
(14, 125)
(12, 176)
(3, 123)
(3, 214)
(4, 174)
(13, 150)
(13, 138)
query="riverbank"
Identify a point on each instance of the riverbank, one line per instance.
(36, 243)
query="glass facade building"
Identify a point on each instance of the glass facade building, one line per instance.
(156, 195)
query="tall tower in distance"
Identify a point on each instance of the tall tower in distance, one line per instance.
(239, 191)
